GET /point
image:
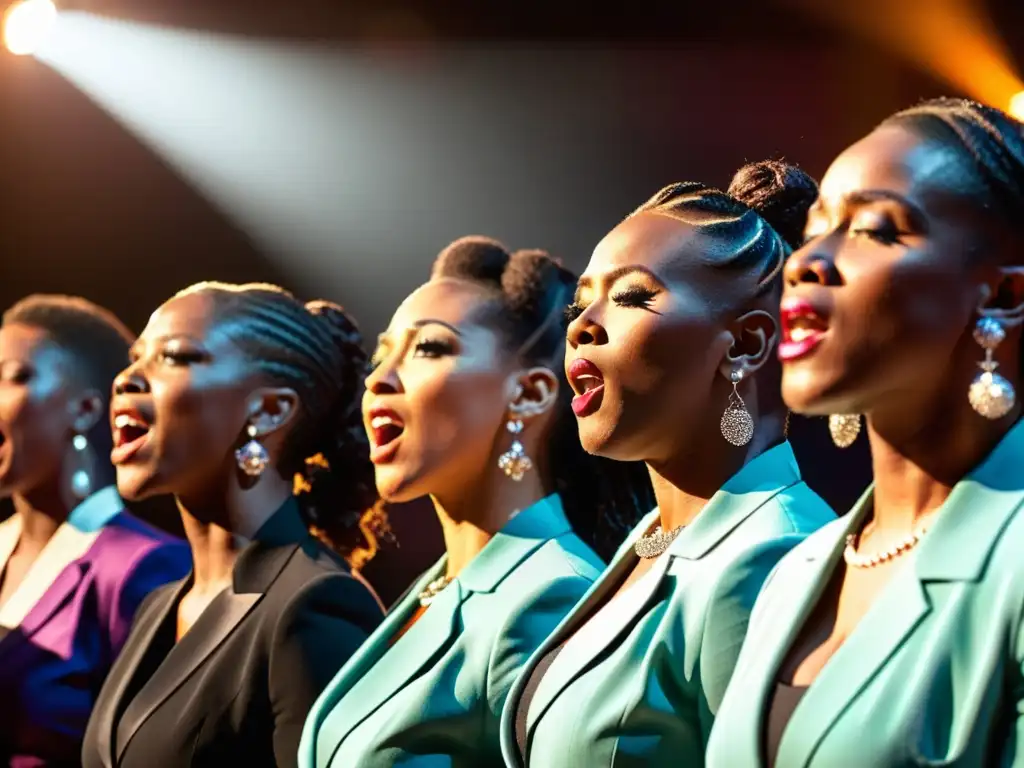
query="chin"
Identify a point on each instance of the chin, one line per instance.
(134, 484)
(809, 394)
(393, 486)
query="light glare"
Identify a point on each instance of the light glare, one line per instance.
(26, 25)
(1017, 106)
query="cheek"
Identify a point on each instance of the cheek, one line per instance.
(200, 426)
(38, 429)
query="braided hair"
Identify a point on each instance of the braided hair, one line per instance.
(602, 499)
(758, 222)
(97, 341)
(317, 350)
(989, 141)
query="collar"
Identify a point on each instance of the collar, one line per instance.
(968, 524)
(96, 510)
(517, 539)
(272, 546)
(746, 491)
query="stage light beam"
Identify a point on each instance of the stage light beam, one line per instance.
(27, 23)
(1017, 106)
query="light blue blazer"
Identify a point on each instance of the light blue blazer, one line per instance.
(932, 675)
(641, 683)
(433, 698)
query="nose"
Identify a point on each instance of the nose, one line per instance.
(383, 380)
(586, 329)
(811, 264)
(131, 382)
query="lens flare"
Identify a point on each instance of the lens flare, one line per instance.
(1017, 106)
(27, 24)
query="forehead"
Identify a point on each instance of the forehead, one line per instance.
(654, 241)
(28, 343)
(188, 315)
(894, 159)
(453, 301)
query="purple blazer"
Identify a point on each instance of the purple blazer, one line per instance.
(53, 661)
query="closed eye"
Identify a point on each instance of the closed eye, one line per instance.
(573, 311)
(181, 357)
(432, 348)
(634, 296)
(886, 235)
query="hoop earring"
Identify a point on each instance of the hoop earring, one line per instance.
(252, 457)
(737, 425)
(84, 464)
(514, 462)
(844, 428)
(990, 394)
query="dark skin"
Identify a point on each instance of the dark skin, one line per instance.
(899, 262)
(44, 402)
(452, 381)
(666, 332)
(198, 393)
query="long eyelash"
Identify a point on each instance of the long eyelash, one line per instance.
(433, 348)
(572, 311)
(634, 296)
(885, 236)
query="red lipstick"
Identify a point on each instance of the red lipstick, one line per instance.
(804, 327)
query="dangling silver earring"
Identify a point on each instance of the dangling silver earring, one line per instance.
(514, 462)
(252, 457)
(844, 428)
(737, 425)
(82, 471)
(990, 394)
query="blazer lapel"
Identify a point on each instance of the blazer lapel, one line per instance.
(956, 548)
(125, 667)
(367, 685)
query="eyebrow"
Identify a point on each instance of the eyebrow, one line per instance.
(163, 340)
(869, 196)
(615, 274)
(382, 338)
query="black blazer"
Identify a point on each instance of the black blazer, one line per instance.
(237, 687)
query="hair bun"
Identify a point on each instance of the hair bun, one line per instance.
(474, 258)
(781, 193)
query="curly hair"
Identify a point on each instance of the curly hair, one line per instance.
(603, 499)
(97, 341)
(317, 350)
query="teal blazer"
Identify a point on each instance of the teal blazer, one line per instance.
(932, 674)
(434, 697)
(641, 684)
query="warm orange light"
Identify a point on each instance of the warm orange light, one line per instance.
(1017, 106)
(26, 25)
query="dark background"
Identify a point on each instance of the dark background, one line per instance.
(540, 123)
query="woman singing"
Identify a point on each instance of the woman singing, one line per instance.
(74, 566)
(232, 391)
(465, 405)
(894, 637)
(671, 356)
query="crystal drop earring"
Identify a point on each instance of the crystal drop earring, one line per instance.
(990, 394)
(514, 462)
(252, 457)
(737, 425)
(844, 428)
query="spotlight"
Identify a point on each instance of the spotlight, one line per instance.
(1017, 106)
(26, 25)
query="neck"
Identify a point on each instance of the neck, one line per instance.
(919, 454)
(471, 515)
(684, 483)
(220, 524)
(42, 511)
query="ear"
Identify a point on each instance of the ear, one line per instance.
(535, 392)
(754, 335)
(87, 411)
(1004, 301)
(272, 408)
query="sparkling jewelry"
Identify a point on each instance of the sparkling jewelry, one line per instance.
(252, 457)
(737, 425)
(653, 544)
(81, 477)
(857, 560)
(844, 428)
(433, 589)
(990, 394)
(514, 462)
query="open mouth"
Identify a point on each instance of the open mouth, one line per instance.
(386, 427)
(130, 432)
(803, 328)
(587, 381)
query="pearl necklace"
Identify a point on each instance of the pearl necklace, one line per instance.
(653, 544)
(856, 560)
(433, 589)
